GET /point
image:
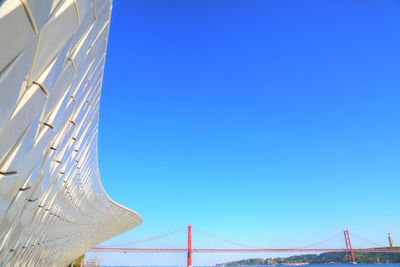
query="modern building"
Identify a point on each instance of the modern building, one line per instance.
(52, 205)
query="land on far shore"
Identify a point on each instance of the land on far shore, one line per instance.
(323, 258)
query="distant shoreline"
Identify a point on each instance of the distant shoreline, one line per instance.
(323, 258)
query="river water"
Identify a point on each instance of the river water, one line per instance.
(337, 265)
(311, 265)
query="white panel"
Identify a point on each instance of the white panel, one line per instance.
(16, 31)
(40, 10)
(12, 79)
(54, 35)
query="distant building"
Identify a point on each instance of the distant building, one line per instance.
(391, 243)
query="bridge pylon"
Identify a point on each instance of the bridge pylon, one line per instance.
(348, 246)
(189, 258)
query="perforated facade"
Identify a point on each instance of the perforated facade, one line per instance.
(52, 204)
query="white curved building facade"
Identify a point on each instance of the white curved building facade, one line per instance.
(52, 205)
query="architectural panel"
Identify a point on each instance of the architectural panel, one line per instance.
(52, 205)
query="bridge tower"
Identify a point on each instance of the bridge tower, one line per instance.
(348, 246)
(189, 258)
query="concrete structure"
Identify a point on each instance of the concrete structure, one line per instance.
(391, 242)
(52, 205)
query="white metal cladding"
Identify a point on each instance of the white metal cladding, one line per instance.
(52, 205)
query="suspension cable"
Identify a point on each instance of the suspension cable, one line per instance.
(143, 240)
(320, 242)
(222, 239)
(366, 240)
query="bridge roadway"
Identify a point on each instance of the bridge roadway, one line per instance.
(261, 250)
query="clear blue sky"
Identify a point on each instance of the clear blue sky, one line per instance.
(272, 123)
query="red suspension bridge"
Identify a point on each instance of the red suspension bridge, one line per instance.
(247, 249)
